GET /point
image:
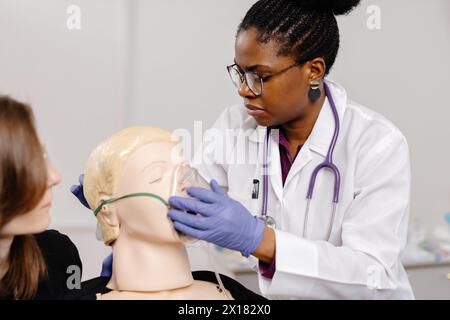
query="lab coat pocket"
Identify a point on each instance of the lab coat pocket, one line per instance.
(247, 201)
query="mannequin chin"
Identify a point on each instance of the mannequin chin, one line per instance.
(150, 259)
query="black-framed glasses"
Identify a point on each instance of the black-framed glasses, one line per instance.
(254, 81)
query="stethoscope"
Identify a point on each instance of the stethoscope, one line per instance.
(328, 163)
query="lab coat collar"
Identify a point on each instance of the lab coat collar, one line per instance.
(322, 133)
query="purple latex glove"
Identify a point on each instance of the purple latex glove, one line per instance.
(220, 219)
(77, 191)
(107, 266)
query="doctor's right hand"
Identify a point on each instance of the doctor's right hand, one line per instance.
(220, 219)
(77, 191)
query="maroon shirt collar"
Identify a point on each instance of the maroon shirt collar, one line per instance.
(286, 159)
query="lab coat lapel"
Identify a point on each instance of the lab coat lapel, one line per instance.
(275, 181)
(275, 165)
(316, 142)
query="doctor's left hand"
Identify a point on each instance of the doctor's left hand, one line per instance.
(220, 219)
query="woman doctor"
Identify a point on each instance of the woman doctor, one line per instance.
(283, 52)
(333, 233)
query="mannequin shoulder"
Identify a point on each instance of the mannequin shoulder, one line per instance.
(199, 290)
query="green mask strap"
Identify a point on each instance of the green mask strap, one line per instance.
(151, 195)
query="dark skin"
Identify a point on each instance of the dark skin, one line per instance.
(285, 97)
(284, 100)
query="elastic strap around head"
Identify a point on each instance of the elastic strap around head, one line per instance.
(151, 195)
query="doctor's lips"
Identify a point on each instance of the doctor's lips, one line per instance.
(253, 110)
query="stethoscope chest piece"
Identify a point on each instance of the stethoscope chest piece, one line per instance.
(269, 221)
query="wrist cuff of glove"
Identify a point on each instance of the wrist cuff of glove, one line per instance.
(257, 237)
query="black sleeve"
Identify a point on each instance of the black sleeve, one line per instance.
(89, 289)
(237, 290)
(59, 253)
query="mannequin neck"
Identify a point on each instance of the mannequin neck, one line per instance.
(143, 266)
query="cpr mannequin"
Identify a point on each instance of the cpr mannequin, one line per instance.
(150, 258)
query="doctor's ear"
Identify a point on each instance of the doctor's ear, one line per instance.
(109, 223)
(317, 69)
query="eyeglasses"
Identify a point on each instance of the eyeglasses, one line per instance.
(254, 81)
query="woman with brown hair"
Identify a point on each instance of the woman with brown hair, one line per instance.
(33, 263)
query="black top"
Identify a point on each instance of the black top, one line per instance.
(59, 253)
(90, 288)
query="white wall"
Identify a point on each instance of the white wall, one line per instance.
(163, 63)
(179, 58)
(75, 82)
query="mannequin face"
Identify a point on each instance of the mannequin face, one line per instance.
(150, 169)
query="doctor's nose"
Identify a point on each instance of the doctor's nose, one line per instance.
(245, 92)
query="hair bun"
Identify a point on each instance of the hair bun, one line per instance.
(338, 7)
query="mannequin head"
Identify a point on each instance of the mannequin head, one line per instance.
(128, 181)
(134, 160)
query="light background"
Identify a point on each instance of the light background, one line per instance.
(163, 63)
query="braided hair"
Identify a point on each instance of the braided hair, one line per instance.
(305, 29)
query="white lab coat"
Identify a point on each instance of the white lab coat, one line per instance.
(362, 258)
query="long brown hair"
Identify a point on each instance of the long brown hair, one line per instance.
(23, 180)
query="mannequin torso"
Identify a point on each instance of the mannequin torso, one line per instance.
(198, 290)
